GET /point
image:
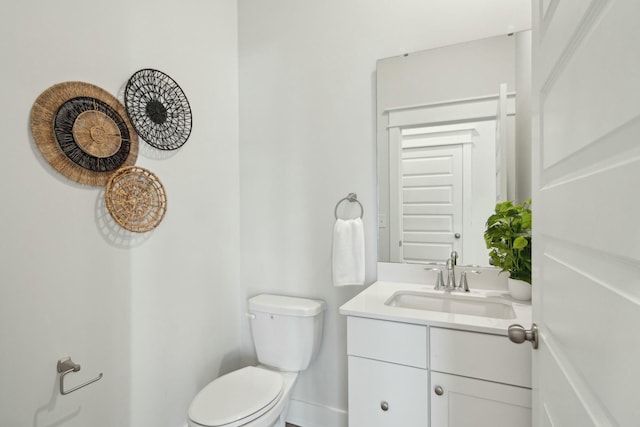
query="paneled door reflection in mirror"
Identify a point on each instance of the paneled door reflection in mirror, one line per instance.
(443, 171)
(449, 146)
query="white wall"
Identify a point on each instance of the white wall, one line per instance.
(157, 315)
(307, 120)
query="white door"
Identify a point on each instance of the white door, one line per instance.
(432, 203)
(586, 204)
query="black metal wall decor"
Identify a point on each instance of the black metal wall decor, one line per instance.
(158, 109)
(83, 132)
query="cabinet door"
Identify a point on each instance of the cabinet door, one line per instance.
(383, 394)
(467, 402)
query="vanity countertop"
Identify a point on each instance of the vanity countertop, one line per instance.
(371, 303)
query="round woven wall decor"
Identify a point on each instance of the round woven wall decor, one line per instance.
(83, 132)
(136, 199)
(158, 109)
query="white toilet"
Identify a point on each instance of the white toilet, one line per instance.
(286, 332)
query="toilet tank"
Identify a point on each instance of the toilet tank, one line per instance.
(286, 331)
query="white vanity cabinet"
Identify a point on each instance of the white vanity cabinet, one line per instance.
(403, 374)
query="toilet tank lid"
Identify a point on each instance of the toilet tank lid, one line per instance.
(285, 305)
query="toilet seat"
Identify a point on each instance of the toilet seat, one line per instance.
(237, 398)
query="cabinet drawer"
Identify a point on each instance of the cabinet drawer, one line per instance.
(395, 342)
(477, 355)
(383, 394)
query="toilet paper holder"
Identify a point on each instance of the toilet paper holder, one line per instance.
(65, 366)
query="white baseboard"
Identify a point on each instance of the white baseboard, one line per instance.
(305, 414)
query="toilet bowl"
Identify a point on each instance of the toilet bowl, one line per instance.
(286, 332)
(249, 397)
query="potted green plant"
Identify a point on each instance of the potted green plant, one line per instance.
(508, 236)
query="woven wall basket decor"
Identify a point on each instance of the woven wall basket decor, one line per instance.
(158, 109)
(83, 132)
(136, 199)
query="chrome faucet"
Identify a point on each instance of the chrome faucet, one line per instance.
(451, 271)
(451, 285)
(450, 265)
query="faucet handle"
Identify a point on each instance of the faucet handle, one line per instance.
(464, 284)
(439, 280)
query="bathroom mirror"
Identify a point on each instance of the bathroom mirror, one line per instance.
(453, 137)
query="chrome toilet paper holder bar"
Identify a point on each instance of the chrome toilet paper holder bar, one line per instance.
(67, 365)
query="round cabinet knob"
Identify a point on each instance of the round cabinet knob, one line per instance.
(384, 406)
(457, 235)
(439, 390)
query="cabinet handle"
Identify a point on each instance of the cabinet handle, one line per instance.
(384, 406)
(439, 390)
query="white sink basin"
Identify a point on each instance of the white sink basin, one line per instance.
(453, 303)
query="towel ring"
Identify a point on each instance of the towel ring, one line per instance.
(351, 197)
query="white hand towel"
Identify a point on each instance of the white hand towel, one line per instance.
(348, 252)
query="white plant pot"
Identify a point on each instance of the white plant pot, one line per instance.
(519, 289)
